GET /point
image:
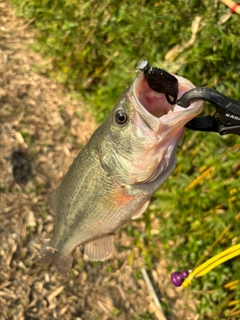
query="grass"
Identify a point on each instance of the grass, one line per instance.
(94, 48)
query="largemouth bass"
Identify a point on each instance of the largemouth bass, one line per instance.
(114, 176)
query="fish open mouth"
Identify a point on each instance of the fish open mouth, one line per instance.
(155, 93)
(161, 103)
(154, 102)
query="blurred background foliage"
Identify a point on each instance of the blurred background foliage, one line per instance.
(94, 47)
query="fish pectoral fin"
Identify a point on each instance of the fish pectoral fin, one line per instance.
(101, 248)
(140, 211)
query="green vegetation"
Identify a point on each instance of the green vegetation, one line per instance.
(94, 47)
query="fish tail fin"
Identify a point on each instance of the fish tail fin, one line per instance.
(48, 255)
(64, 263)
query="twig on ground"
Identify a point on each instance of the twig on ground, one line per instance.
(160, 315)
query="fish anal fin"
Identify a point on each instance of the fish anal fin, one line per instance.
(140, 211)
(100, 248)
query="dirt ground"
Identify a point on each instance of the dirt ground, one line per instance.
(38, 116)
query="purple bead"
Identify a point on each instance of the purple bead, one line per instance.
(177, 279)
(185, 274)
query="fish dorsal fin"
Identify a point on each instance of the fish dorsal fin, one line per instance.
(101, 248)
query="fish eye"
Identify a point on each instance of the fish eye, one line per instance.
(121, 117)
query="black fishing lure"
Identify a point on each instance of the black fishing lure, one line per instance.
(160, 81)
